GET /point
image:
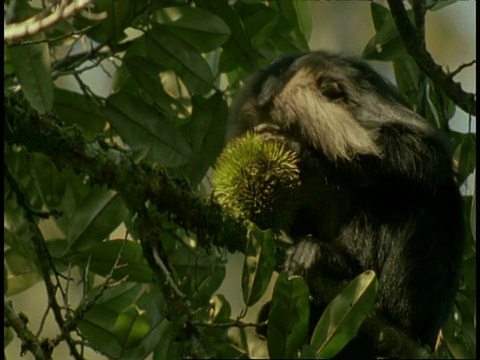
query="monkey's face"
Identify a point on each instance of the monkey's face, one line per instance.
(331, 104)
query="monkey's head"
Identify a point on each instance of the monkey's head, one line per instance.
(345, 122)
(330, 103)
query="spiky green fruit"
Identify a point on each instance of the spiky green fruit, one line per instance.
(259, 180)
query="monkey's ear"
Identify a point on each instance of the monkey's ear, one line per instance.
(331, 88)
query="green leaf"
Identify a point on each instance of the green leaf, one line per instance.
(198, 27)
(75, 108)
(147, 75)
(461, 344)
(290, 40)
(224, 343)
(466, 156)
(288, 319)
(118, 16)
(47, 182)
(75, 191)
(8, 336)
(5, 279)
(272, 35)
(304, 18)
(17, 236)
(297, 13)
(259, 22)
(169, 347)
(440, 108)
(22, 274)
(98, 323)
(308, 352)
(258, 266)
(201, 274)
(147, 131)
(407, 76)
(343, 316)
(206, 132)
(380, 15)
(100, 259)
(101, 212)
(287, 35)
(221, 310)
(170, 51)
(56, 248)
(138, 48)
(131, 327)
(237, 50)
(386, 44)
(32, 68)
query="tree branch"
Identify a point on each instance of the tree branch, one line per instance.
(106, 164)
(416, 49)
(19, 324)
(44, 20)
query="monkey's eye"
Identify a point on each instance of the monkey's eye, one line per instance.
(331, 88)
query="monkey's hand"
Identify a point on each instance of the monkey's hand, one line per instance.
(310, 255)
(274, 132)
(302, 257)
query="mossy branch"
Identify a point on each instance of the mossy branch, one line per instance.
(30, 342)
(107, 164)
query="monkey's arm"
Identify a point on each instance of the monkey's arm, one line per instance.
(309, 254)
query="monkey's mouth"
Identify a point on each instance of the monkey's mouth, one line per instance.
(272, 132)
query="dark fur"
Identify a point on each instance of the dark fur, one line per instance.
(378, 187)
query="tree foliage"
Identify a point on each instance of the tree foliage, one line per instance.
(88, 163)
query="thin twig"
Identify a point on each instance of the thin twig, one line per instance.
(87, 91)
(167, 273)
(58, 74)
(72, 61)
(42, 322)
(54, 39)
(72, 323)
(454, 73)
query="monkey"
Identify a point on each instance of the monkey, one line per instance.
(378, 186)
